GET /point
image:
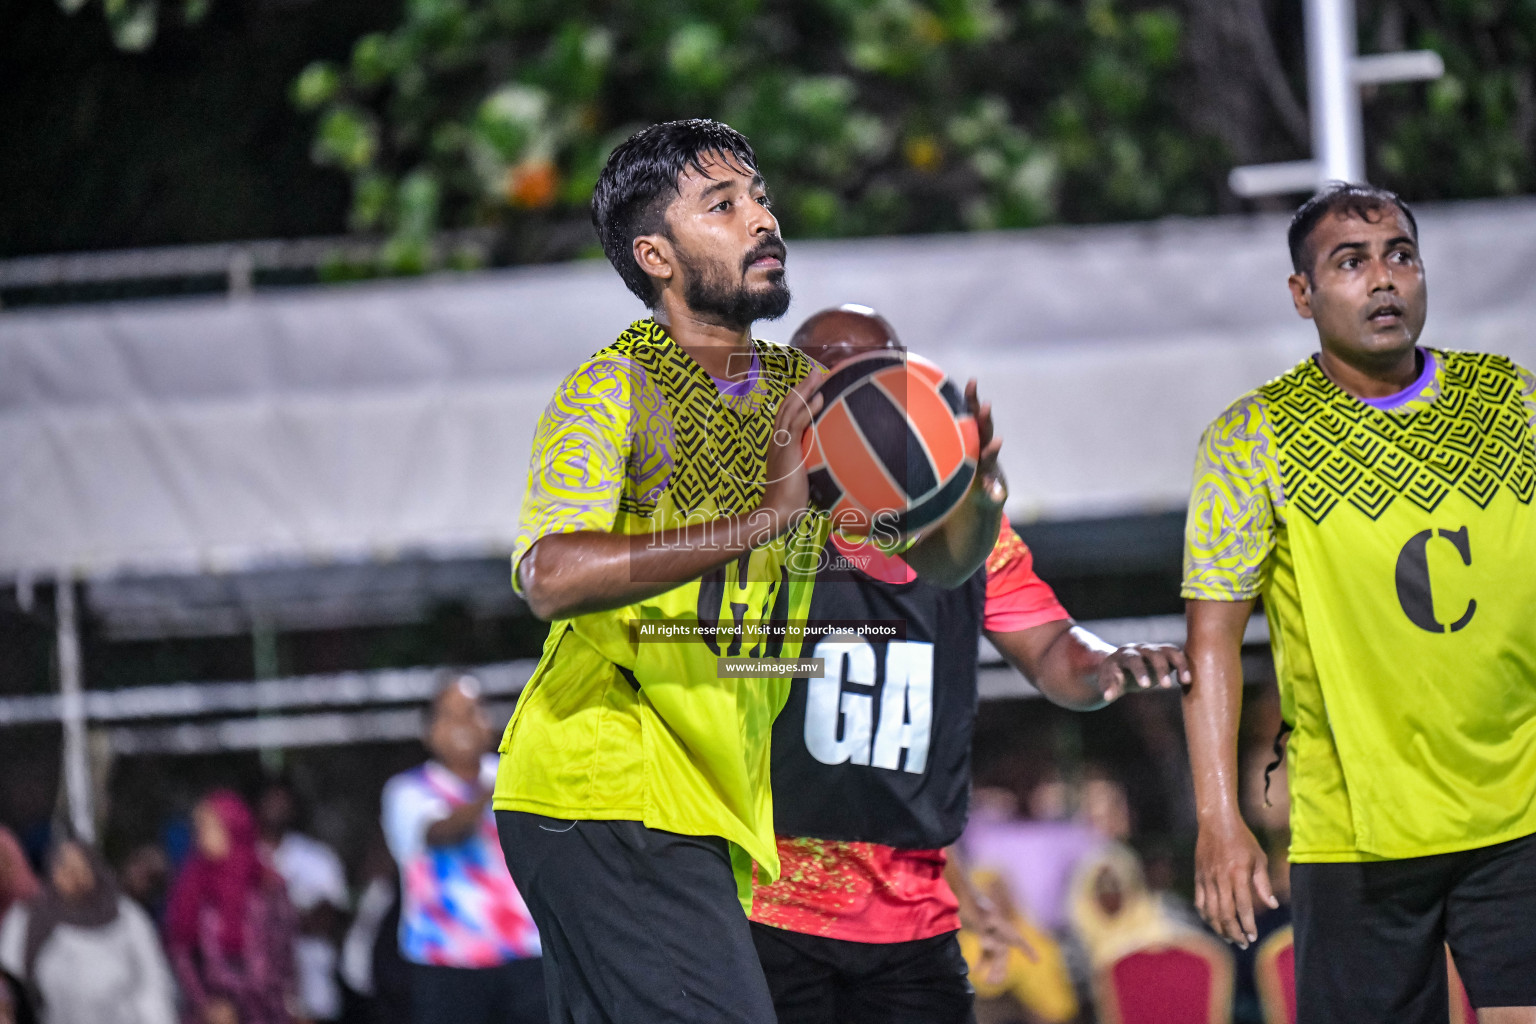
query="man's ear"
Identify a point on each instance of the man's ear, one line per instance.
(654, 254)
(1301, 294)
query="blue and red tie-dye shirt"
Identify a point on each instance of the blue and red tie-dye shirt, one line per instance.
(459, 907)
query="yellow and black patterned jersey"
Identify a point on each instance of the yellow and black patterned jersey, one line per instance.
(1394, 550)
(640, 439)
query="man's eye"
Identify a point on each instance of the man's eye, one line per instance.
(1349, 264)
(723, 205)
(764, 202)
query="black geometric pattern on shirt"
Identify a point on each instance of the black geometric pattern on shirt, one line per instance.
(719, 442)
(1473, 439)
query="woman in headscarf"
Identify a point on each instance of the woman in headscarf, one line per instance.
(229, 925)
(85, 953)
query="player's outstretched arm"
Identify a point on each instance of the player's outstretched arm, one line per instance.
(1076, 669)
(961, 543)
(981, 915)
(1230, 866)
(567, 574)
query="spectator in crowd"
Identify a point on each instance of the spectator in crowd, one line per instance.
(145, 873)
(317, 888)
(376, 979)
(86, 953)
(1113, 913)
(1103, 804)
(17, 882)
(464, 928)
(229, 926)
(1035, 985)
(1035, 856)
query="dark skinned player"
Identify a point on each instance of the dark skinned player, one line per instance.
(871, 761)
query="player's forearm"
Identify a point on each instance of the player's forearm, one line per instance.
(459, 824)
(1060, 659)
(1213, 703)
(570, 574)
(953, 552)
(958, 875)
(1069, 670)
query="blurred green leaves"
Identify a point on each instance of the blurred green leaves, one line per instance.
(869, 116)
(134, 23)
(1472, 132)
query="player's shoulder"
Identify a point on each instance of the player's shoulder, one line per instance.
(1008, 550)
(1245, 419)
(622, 358)
(615, 374)
(1470, 368)
(783, 361)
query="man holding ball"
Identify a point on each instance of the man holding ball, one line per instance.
(667, 483)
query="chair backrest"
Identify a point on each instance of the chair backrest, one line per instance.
(1461, 1006)
(1274, 973)
(1187, 980)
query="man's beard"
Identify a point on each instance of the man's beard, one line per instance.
(713, 293)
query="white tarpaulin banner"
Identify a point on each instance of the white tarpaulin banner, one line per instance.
(377, 420)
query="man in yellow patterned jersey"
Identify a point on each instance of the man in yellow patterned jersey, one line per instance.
(1378, 497)
(666, 490)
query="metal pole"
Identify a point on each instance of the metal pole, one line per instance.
(264, 657)
(77, 771)
(1331, 90)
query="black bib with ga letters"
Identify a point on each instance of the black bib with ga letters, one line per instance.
(878, 749)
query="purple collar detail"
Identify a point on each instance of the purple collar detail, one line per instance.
(1412, 391)
(737, 388)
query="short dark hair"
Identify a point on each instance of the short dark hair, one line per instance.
(1362, 201)
(640, 181)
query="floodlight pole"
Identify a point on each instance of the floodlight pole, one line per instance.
(77, 769)
(1337, 147)
(1335, 73)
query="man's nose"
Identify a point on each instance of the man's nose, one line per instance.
(762, 220)
(1381, 277)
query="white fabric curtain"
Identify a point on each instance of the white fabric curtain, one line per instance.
(369, 421)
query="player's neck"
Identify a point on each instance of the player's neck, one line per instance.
(1372, 379)
(710, 344)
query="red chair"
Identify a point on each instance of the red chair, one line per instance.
(1187, 980)
(1274, 972)
(1461, 1006)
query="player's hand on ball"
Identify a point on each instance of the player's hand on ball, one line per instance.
(1142, 667)
(986, 462)
(786, 491)
(1230, 870)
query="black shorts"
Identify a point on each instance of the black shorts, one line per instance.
(638, 926)
(1370, 937)
(816, 980)
(510, 994)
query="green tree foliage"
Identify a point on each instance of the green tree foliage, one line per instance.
(869, 116)
(134, 23)
(1473, 132)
